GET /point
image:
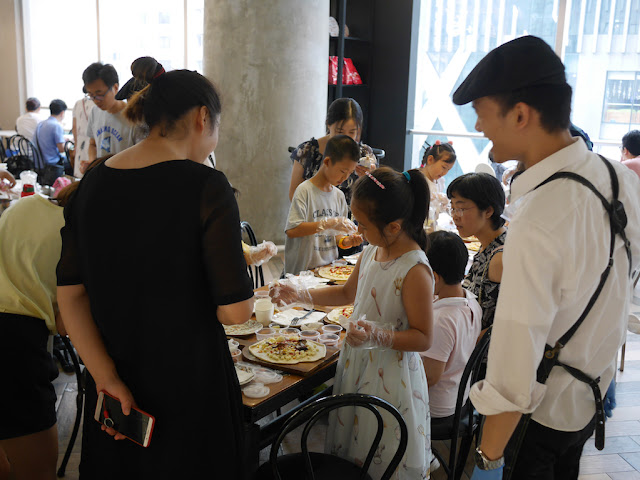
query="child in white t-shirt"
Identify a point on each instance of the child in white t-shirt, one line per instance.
(318, 224)
(457, 320)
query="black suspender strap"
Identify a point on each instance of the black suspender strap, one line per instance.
(617, 223)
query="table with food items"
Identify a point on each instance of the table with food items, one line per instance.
(282, 356)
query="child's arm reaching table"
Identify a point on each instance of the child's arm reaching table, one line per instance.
(285, 292)
(328, 225)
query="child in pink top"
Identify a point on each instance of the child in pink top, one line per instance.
(457, 319)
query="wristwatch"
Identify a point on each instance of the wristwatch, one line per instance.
(484, 463)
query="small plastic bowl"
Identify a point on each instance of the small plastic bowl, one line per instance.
(265, 333)
(335, 329)
(314, 326)
(289, 331)
(235, 355)
(233, 345)
(309, 335)
(275, 326)
(329, 339)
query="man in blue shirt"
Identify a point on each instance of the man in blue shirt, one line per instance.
(49, 136)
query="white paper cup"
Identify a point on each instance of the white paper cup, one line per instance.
(264, 311)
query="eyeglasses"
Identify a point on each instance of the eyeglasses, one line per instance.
(458, 212)
(98, 97)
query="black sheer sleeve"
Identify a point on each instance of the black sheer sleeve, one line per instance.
(68, 270)
(221, 243)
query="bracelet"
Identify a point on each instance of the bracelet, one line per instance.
(341, 245)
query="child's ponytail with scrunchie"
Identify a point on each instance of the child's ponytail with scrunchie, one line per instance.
(420, 211)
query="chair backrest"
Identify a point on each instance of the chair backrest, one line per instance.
(28, 149)
(311, 413)
(379, 153)
(471, 372)
(255, 273)
(69, 146)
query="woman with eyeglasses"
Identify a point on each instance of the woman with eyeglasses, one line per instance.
(477, 203)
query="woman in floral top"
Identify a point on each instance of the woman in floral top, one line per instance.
(477, 203)
(344, 117)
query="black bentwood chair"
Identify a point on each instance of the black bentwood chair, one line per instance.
(80, 377)
(464, 425)
(255, 273)
(311, 465)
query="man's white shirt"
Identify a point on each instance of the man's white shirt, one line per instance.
(556, 249)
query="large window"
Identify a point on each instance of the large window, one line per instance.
(63, 37)
(600, 48)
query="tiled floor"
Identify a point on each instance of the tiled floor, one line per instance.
(620, 459)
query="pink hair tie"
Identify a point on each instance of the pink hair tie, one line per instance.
(375, 180)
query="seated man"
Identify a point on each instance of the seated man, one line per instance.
(26, 124)
(457, 319)
(49, 137)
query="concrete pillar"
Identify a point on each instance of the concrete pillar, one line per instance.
(269, 59)
(12, 78)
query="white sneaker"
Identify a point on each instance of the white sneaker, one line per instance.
(435, 464)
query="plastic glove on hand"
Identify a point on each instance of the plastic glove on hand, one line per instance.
(495, 474)
(367, 333)
(260, 253)
(289, 293)
(337, 226)
(610, 399)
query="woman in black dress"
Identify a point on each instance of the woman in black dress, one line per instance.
(151, 266)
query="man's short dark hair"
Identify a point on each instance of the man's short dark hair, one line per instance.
(447, 256)
(32, 104)
(340, 147)
(57, 106)
(99, 71)
(553, 102)
(631, 141)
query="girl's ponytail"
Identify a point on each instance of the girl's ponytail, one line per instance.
(134, 112)
(420, 210)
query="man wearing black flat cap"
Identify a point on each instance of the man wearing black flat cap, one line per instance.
(564, 294)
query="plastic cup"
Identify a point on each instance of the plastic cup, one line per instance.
(335, 329)
(329, 339)
(309, 335)
(235, 355)
(314, 326)
(265, 333)
(289, 331)
(264, 310)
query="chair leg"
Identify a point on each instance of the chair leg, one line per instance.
(79, 406)
(463, 453)
(624, 347)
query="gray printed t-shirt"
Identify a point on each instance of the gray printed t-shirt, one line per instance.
(311, 204)
(111, 132)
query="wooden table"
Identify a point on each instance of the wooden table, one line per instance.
(291, 387)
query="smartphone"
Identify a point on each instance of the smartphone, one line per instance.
(137, 426)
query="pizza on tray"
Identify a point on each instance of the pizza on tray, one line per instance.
(288, 350)
(337, 272)
(246, 328)
(334, 315)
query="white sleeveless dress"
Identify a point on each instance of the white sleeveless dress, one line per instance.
(395, 376)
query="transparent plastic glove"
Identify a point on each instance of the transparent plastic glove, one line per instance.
(495, 474)
(365, 334)
(260, 253)
(610, 399)
(290, 292)
(337, 226)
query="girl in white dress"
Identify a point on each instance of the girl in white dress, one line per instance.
(392, 285)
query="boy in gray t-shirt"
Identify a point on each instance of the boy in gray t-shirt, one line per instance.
(318, 221)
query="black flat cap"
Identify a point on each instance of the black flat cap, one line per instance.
(524, 62)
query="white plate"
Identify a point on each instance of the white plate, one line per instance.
(245, 374)
(284, 318)
(247, 328)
